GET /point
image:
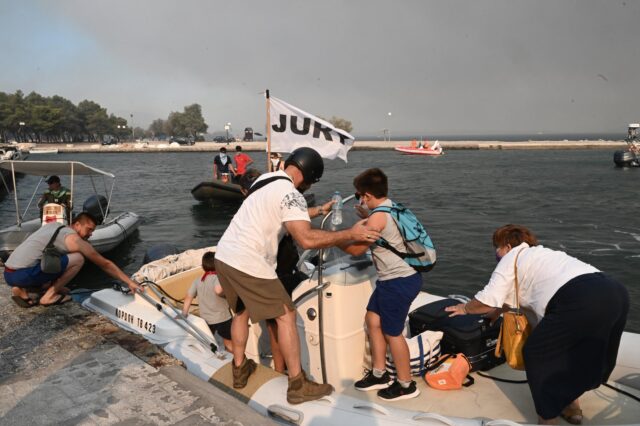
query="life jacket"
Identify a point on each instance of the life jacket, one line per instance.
(419, 253)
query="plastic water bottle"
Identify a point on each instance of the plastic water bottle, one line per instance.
(336, 217)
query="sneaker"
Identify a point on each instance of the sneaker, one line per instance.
(302, 389)
(396, 392)
(371, 382)
(241, 374)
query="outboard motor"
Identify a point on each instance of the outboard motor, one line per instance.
(158, 252)
(96, 206)
(53, 212)
(624, 159)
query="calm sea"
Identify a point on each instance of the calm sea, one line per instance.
(574, 200)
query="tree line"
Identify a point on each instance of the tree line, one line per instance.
(38, 119)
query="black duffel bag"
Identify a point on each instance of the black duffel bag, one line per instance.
(470, 334)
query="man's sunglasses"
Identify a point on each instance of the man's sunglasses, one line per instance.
(357, 195)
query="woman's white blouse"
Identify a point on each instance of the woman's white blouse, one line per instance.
(541, 273)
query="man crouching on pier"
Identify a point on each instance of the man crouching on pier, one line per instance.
(22, 269)
(246, 264)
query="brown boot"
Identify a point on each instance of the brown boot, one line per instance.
(241, 374)
(302, 389)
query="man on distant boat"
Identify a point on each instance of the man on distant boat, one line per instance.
(246, 264)
(242, 162)
(222, 164)
(57, 194)
(23, 271)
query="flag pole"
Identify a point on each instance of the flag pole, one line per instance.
(268, 130)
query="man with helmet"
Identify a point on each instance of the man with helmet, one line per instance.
(246, 264)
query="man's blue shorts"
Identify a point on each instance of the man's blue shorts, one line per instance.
(392, 299)
(33, 276)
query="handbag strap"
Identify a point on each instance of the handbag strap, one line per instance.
(515, 268)
(53, 238)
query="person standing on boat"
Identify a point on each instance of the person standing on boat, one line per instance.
(222, 164)
(397, 286)
(56, 193)
(242, 162)
(22, 270)
(246, 264)
(213, 306)
(276, 162)
(580, 314)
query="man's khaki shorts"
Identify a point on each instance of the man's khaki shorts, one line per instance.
(263, 298)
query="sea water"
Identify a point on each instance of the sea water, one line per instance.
(573, 200)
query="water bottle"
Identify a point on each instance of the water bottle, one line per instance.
(336, 217)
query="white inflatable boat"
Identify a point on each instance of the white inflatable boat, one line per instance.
(111, 231)
(334, 349)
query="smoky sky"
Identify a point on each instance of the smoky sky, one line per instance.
(458, 67)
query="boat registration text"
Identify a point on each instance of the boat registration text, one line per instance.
(135, 321)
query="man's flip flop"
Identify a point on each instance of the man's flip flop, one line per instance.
(23, 303)
(62, 299)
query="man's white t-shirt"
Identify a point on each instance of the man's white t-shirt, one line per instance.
(250, 243)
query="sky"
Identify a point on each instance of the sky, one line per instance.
(415, 67)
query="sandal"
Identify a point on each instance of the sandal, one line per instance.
(59, 301)
(572, 415)
(24, 303)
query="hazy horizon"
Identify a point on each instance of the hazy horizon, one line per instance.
(414, 67)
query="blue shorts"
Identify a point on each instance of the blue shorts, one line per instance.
(392, 299)
(33, 276)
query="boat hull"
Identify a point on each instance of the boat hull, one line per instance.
(344, 300)
(418, 151)
(105, 238)
(217, 190)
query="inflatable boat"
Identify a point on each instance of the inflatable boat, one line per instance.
(111, 231)
(217, 190)
(331, 305)
(224, 191)
(631, 156)
(436, 149)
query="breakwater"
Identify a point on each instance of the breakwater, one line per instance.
(160, 146)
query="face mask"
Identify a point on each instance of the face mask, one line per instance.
(363, 205)
(274, 161)
(223, 158)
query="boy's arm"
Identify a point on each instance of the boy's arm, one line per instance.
(218, 290)
(377, 222)
(186, 305)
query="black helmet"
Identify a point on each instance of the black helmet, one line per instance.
(309, 162)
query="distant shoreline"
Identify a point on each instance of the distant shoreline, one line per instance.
(160, 146)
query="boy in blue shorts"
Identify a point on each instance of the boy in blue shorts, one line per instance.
(397, 286)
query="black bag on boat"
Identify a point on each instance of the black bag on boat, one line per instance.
(470, 334)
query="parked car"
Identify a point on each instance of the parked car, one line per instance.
(224, 139)
(183, 140)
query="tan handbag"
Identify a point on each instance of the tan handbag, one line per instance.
(514, 331)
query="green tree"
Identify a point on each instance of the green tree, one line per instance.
(341, 123)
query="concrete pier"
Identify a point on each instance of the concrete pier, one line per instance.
(65, 365)
(159, 146)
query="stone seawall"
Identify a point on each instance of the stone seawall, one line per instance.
(158, 146)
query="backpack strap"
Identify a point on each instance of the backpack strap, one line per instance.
(384, 243)
(264, 182)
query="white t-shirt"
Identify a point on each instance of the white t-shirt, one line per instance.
(250, 243)
(541, 273)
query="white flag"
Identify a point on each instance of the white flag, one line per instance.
(292, 128)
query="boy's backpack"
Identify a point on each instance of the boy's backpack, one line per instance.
(420, 253)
